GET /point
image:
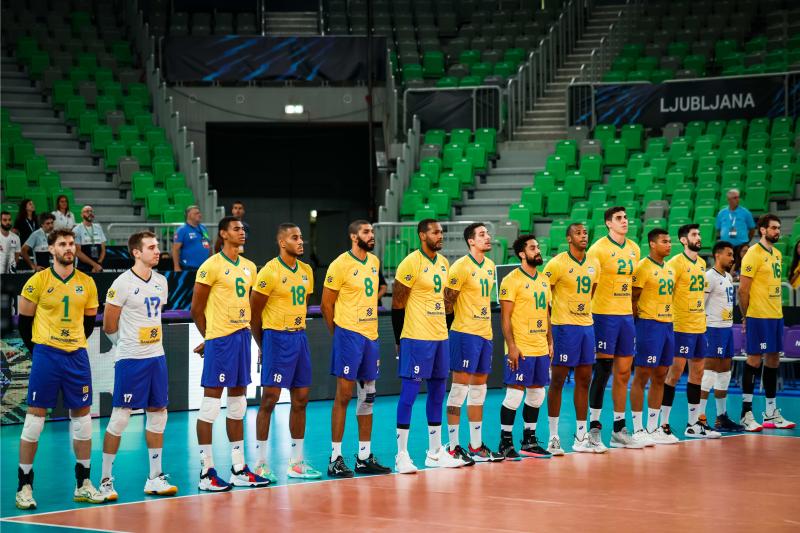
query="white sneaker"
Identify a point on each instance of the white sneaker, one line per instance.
(25, 499)
(709, 431)
(87, 493)
(403, 464)
(107, 489)
(776, 421)
(623, 439)
(697, 431)
(554, 446)
(643, 437)
(749, 423)
(662, 436)
(596, 441)
(158, 486)
(583, 445)
(442, 459)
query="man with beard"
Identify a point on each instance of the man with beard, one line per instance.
(524, 304)
(279, 302)
(467, 301)
(37, 243)
(760, 303)
(614, 330)
(350, 309)
(9, 245)
(690, 332)
(91, 242)
(573, 280)
(221, 312)
(420, 331)
(56, 316)
(719, 335)
(132, 321)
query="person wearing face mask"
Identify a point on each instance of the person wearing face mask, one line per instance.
(9, 245)
(91, 242)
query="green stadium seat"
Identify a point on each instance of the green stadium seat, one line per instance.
(605, 133)
(465, 172)
(450, 183)
(782, 180)
(639, 75)
(411, 203)
(113, 152)
(652, 195)
(686, 164)
(597, 196)
(103, 105)
(477, 154)
(544, 182)
(87, 122)
(426, 211)
(558, 230)
(440, 200)
(658, 166)
(575, 183)
(419, 181)
(533, 199)
(412, 72)
(34, 166)
(172, 214)
(141, 184)
(481, 70)
(141, 152)
(156, 201)
(460, 136)
(674, 178)
(23, 150)
(557, 166)
(679, 146)
(615, 153)
(74, 107)
(393, 253)
(162, 150)
(567, 151)
(432, 167)
(16, 183)
(488, 138)
(592, 167)
(626, 194)
(54, 194)
(162, 167)
(62, 91)
(128, 135)
(580, 211)
(505, 68)
(756, 198)
(644, 180)
(469, 57)
(617, 180)
(558, 202)
(49, 180)
(452, 152)
(436, 137)
(631, 135)
(522, 214)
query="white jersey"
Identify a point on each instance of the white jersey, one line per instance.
(9, 247)
(719, 299)
(140, 331)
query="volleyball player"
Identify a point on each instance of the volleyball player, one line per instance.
(420, 330)
(468, 297)
(132, 321)
(221, 312)
(350, 309)
(56, 316)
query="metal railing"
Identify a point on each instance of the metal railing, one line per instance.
(119, 232)
(487, 105)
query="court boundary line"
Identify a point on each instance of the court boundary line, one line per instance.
(19, 518)
(62, 526)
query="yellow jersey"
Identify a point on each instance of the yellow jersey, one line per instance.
(614, 285)
(657, 281)
(424, 317)
(356, 282)
(474, 281)
(228, 307)
(764, 267)
(288, 291)
(688, 297)
(529, 318)
(571, 283)
(60, 305)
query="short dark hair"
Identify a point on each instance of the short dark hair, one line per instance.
(655, 233)
(225, 223)
(4, 212)
(237, 202)
(721, 245)
(355, 226)
(520, 242)
(284, 227)
(469, 231)
(44, 217)
(684, 230)
(424, 225)
(765, 219)
(54, 235)
(611, 211)
(573, 226)
(135, 240)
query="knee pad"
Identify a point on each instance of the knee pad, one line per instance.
(709, 378)
(156, 421)
(535, 397)
(513, 399)
(366, 397)
(32, 428)
(723, 380)
(118, 421)
(477, 394)
(209, 409)
(81, 427)
(458, 393)
(237, 405)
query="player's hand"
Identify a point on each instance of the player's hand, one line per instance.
(39, 268)
(744, 326)
(200, 349)
(514, 356)
(550, 350)
(96, 268)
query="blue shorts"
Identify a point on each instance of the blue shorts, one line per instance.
(764, 335)
(140, 383)
(573, 345)
(470, 353)
(690, 345)
(424, 359)
(287, 359)
(655, 343)
(226, 360)
(354, 356)
(55, 370)
(614, 334)
(720, 343)
(531, 372)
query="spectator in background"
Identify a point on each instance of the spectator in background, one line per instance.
(191, 245)
(26, 222)
(794, 270)
(237, 210)
(64, 217)
(9, 245)
(735, 223)
(91, 241)
(738, 254)
(37, 243)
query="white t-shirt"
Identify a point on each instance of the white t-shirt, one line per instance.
(140, 332)
(63, 221)
(9, 247)
(89, 235)
(719, 299)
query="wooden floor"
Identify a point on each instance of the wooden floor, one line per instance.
(740, 483)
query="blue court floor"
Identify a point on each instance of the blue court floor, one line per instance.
(54, 464)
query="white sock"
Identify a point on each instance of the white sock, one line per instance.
(771, 406)
(665, 409)
(529, 425)
(297, 450)
(553, 423)
(26, 469)
(594, 414)
(434, 438)
(336, 450)
(580, 429)
(747, 398)
(694, 413)
(506, 428)
(402, 440)
(364, 449)
(206, 458)
(237, 455)
(637, 420)
(452, 435)
(721, 406)
(85, 462)
(155, 461)
(652, 419)
(476, 434)
(108, 464)
(703, 403)
(261, 451)
(619, 416)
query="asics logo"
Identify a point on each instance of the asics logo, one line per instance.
(431, 432)
(155, 456)
(363, 448)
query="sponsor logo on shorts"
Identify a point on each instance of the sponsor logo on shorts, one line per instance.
(85, 389)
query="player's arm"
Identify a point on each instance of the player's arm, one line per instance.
(176, 256)
(550, 332)
(400, 294)
(26, 250)
(258, 301)
(27, 310)
(111, 315)
(198, 310)
(450, 297)
(745, 284)
(382, 286)
(328, 306)
(506, 309)
(635, 295)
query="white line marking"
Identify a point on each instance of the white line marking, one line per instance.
(45, 524)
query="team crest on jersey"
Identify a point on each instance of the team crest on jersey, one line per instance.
(548, 273)
(503, 292)
(489, 272)
(29, 289)
(305, 278)
(203, 274)
(453, 281)
(590, 270)
(438, 306)
(408, 277)
(444, 269)
(79, 289)
(246, 271)
(262, 284)
(374, 270)
(330, 279)
(633, 254)
(544, 284)
(157, 288)
(369, 311)
(51, 289)
(111, 294)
